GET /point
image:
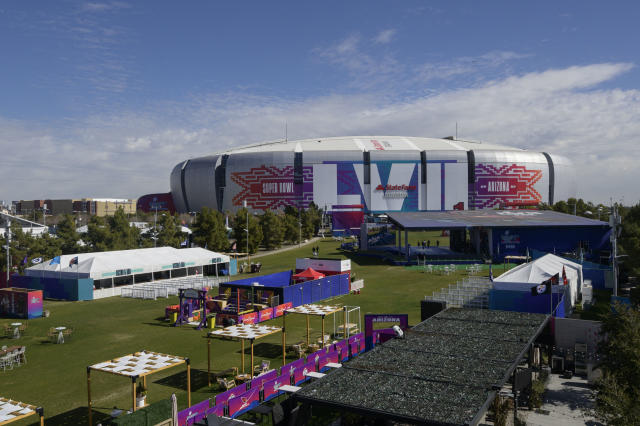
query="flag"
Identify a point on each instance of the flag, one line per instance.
(545, 286)
(564, 276)
(24, 261)
(73, 261)
(490, 273)
(55, 261)
(36, 260)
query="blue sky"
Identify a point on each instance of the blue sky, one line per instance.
(103, 98)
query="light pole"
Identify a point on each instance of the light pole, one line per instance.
(8, 241)
(299, 228)
(155, 229)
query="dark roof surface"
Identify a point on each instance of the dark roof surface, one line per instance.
(488, 218)
(443, 371)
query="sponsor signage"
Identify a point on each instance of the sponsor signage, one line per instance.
(266, 314)
(250, 318)
(281, 308)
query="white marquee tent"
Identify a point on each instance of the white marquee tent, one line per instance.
(524, 276)
(109, 264)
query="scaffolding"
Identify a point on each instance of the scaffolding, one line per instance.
(470, 292)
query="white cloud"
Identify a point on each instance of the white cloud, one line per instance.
(384, 36)
(562, 111)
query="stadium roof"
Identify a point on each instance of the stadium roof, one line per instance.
(100, 265)
(445, 371)
(372, 143)
(488, 218)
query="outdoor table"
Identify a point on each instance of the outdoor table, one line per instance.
(60, 335)
(137, 365)
(243, 377)
(333, 365)
(16, 329)
(3, 352)
(315, 374)
(289, 388)
(11, 411)
(243, 332)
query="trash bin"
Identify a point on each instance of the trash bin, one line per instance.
(174, 317)
(211, 322)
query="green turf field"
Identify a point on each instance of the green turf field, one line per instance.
(55, 375)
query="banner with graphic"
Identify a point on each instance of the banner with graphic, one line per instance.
(271, 187)
(507, 184)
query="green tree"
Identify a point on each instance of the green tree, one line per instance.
(122, 235)
(618, 392)
(240, 233)
(98, 236)
(630, 240)
(169, 233)
(272, 230)
(66, 232)
(291, 227)
(210, 231)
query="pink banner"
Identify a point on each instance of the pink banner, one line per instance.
(250, 318)
(265, 314)
(281, 308)
(243, 402)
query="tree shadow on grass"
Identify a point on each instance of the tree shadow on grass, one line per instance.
(264, 350)
(179, 380)
(77, 416)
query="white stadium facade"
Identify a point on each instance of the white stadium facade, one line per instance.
(369, 174)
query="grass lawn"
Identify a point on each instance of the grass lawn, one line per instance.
(55, 375)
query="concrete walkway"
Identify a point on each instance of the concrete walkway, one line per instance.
(568, 402)
(291, 247)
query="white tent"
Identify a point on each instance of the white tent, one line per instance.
(101, 265)
(524, 276)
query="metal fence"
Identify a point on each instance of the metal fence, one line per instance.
(170, 287)
(471, 292)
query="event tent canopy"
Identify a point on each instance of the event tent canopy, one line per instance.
(100, 265)
(308, 274)
(524, 276)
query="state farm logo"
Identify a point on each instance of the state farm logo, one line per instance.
(395, 191)
(395, 187)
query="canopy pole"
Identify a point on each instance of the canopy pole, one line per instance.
(133, 392)
(283, 347)
(188, 381)
(344, 323)
(284, 337)
(89, 394)
(242, 351)
(322, 338)
(251, 365)
(209, 361)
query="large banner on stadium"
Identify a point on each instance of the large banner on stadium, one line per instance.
(506, 184)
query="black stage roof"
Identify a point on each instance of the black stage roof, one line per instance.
(446, 370)
(487, 218)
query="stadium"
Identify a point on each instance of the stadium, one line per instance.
(351, 176)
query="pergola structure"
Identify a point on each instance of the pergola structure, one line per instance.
(242, 332)
(12, 411)
(135, 365)
(316, 310)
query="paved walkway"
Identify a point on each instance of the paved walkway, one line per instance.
(568, 402)
(291, 247)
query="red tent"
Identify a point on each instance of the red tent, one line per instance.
(308, 274)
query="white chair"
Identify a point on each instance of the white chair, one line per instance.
(7, 361)
(20, 356)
